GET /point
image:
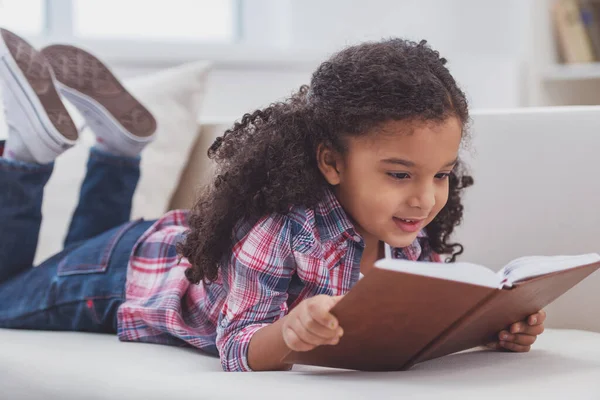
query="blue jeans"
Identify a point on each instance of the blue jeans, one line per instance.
(81, 287)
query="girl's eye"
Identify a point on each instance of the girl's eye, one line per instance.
(443, 175)
(399, 175)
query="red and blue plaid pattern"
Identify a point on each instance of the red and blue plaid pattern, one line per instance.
(277, 261)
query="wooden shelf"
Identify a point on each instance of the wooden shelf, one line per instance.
(572, 72)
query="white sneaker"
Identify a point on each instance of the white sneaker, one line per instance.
(39, 126)
(121, 123)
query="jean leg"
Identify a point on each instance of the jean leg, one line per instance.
(79, 289)
(21, 193)
(105, 197)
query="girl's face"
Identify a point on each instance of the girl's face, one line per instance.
(393, 182)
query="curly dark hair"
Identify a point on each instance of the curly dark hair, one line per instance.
(267, 162)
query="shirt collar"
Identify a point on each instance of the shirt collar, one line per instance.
(332, 221)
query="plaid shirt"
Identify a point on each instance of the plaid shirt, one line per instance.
(276, 262)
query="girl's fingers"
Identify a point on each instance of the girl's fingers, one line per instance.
(319, 311)
(537, 318)
(524, 340)
(518, 338)
(319, 330)
(294, 342)
(493, 346)
(306, 335)
(522, 327)
(514, 347)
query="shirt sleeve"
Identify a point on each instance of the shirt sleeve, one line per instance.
(257, 278)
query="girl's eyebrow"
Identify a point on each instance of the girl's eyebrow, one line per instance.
(400, 161)
(407, 163)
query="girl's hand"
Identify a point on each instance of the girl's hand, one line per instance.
(310, 324)
(521, 335)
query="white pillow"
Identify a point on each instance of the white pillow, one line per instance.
(174, 96)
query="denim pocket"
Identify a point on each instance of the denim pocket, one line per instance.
(93, 256)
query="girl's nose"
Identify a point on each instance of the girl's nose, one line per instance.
(424, 199)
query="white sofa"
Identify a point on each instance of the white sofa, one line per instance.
(536, 192)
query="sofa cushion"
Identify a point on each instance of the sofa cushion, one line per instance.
(536, 193)
(69, 365)
(199, 169)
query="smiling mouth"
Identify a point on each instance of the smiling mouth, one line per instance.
(410, 220)
(409, 225)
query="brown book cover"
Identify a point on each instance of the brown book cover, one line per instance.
(393, 320)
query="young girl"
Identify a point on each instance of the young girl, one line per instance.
(308, 194)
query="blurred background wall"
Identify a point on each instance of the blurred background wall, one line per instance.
(503, 53)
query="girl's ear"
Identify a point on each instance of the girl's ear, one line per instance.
(330, 163)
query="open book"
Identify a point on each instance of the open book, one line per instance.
(405, 312)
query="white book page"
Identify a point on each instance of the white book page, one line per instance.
(459, 272)
(525, 268)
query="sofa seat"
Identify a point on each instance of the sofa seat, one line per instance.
(70, 365)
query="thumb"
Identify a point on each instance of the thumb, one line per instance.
(493, 346)
(335, 300)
